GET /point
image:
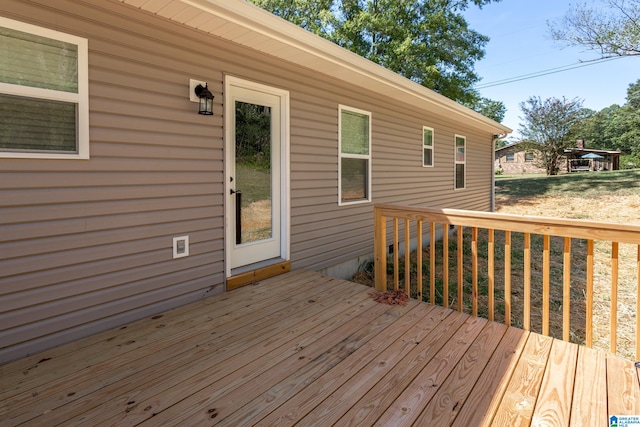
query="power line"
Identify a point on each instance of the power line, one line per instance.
(544, 73)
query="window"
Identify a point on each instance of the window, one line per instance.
(355, 156)
(528, 157)
(510, 157)
(460, 162)
(427, 146)
(44, 105)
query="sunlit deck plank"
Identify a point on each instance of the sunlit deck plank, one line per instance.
(622, 387)
(446, 405)
(338, 402)
(553, 406)
(408, 406)
(486, 395)
(519, 400)
(590, 389)
(396, 341)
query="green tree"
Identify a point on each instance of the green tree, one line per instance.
(549, 127)
(493, 109)
(613, 29)
(315, 16)
(427, 41)
(615, 127)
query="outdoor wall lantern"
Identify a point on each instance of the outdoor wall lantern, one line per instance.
(205, 99)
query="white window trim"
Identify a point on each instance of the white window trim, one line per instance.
(433, 143)
(456, 162)
(81, 98)
(353, 156)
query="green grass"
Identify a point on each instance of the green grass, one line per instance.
(255, 183)
(584, 184)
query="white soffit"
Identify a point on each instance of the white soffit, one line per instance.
(246, 24)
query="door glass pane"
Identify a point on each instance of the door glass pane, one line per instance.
(253, 180)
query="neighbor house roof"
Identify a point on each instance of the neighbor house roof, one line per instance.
(246, 24)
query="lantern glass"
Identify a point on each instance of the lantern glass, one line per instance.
(205, 97)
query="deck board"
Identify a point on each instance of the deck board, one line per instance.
(308, 349)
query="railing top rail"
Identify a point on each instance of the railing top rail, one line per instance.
(574, 228)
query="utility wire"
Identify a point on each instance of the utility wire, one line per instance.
(543, 73)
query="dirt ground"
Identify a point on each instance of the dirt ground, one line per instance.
(618, 208)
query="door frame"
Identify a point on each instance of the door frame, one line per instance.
(285, 214)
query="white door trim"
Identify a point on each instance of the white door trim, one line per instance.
(285, 215)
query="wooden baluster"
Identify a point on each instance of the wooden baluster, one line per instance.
(445, 265)
(432, 263)
(638, 303)
(527, 281)
(546, 269)
(589, 308)
(614, 298)
(507, 278)
(474, 271)
(460, 269)
(566, 290)
(419, 259)
(491, 271)
(396, 258)
(380, 249)
(407, 257)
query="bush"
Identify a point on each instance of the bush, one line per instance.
(630, 161)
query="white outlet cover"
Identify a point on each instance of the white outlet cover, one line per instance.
(180, 247)
(192, 86)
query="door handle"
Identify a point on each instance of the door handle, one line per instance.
(232, 192)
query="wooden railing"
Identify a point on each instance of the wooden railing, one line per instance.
(454, 277)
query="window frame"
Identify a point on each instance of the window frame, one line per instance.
(529, 157)
(456, 162)
(80, 99)
(342, 155)
(431, 147)
(512, 159)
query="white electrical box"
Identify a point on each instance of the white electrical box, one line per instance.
(180, 246)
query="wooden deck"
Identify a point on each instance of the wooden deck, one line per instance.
(308, 349)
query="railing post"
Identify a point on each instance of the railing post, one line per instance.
(379, 249)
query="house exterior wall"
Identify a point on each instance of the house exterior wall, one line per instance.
(516, 164)
(86, 244)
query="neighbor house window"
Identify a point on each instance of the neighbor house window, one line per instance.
(44, 103)
(355, 156)
(427, 146)
(510, 157)
(460, 161)
(528, 157)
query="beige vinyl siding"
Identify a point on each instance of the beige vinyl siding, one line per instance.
(86, 245)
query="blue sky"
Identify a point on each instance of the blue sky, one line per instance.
(520, 44)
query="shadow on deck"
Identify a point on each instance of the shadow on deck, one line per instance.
(308, 349)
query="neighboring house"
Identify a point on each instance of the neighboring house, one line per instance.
(584, 159)
(516, 158)
(119, 201)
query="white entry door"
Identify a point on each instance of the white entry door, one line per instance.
(256, 174)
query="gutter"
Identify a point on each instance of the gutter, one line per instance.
(492, 196)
